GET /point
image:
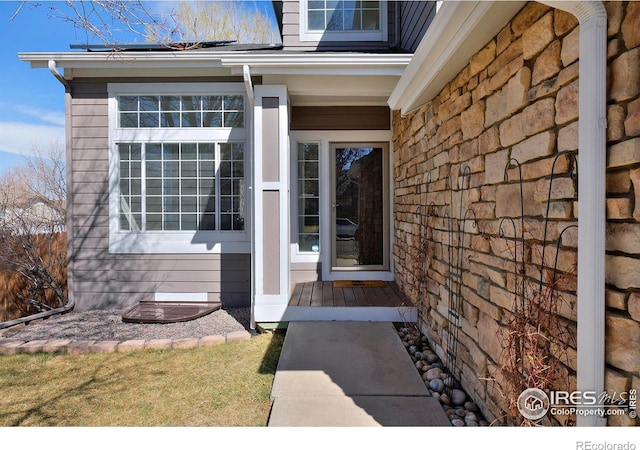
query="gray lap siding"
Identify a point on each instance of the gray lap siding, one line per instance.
(104, 280)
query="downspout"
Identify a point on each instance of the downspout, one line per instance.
(53, 68)
(70, 302)
(592, 17)
(248, 85)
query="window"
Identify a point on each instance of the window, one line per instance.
(334, 20)
(179, 184)
(308, 198)
(178, 167)
(343, 15)
(181, 111)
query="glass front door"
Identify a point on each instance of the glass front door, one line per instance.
(360, 237)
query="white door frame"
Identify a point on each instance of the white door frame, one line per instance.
(325, 139)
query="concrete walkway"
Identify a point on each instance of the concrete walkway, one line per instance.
(349, 374)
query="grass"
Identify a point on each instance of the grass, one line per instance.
(227, 385)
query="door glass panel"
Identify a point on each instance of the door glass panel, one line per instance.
(359, 236)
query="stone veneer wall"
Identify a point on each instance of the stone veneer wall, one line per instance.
(518, 98)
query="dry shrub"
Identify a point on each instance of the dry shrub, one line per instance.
(16, 289)
(536, 341)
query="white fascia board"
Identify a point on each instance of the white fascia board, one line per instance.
(321, 63)
(271, 63)
(458, 31)
(327, 71)
(96, 60)
(307, 59)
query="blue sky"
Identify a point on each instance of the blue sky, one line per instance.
(32, 100)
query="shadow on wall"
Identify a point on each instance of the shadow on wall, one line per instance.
(104, 280)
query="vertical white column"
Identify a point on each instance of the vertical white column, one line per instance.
(271, 203)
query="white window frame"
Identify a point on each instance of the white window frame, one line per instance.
(296, 254)
(307, 35)
(194, 241)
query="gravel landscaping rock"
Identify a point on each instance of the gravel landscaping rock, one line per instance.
(459, 407)
(107, 325)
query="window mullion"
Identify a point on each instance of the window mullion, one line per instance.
(163, 189)
(199, 190)
(216, 176)
(180, 198)
(143, 187)
(181, 111)
(201, 110)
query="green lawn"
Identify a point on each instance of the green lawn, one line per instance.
(228, 385)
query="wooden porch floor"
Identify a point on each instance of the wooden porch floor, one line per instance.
(324, 294)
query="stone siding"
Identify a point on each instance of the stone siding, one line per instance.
(517, 99)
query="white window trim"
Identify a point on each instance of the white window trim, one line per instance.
(325, 139)
(307, 35)
(128, 242)
(298, 256)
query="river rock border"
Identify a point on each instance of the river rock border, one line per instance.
(457, 405)
(11, 346)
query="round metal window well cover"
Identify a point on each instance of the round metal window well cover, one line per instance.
(168, 312)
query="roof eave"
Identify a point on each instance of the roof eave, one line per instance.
(458, 31)
(261, 63)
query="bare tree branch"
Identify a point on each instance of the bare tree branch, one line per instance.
(111, 21)
(15, 14)
(32, 238)
(222, 20)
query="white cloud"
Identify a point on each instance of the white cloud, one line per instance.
(23, 138)
(45, 115)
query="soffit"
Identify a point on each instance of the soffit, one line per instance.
(319, 90)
